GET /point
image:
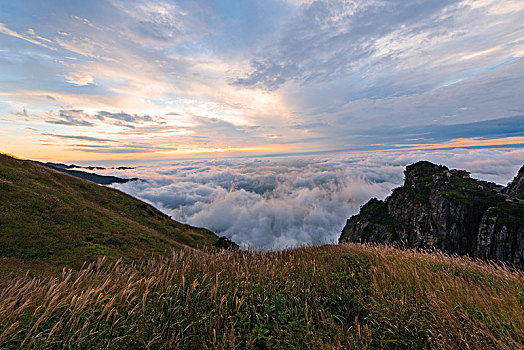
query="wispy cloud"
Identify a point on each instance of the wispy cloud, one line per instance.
(123, 116)
(78, 137)
(30, 37)
(80, 78)
(330, 40)
(71, 117)
(271, 76)
(122, 149)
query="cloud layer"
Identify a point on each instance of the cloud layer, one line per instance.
(278, 203)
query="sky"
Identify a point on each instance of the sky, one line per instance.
(132, 81)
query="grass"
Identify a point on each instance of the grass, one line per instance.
(327, 297)
(52, 218)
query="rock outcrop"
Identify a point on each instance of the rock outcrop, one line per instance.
(446, 209)
(516, 187)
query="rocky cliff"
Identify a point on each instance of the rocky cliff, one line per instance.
(446, 209)
(516, 187)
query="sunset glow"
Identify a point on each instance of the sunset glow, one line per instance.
(142, 80)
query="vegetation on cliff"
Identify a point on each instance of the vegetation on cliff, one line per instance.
(516, 187)
(446, 209)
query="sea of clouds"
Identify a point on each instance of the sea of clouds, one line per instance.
(275, 203)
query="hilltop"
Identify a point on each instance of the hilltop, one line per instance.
(48, 218)
(347, 296)
(446, 209)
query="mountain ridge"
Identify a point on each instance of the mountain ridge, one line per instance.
(84, 175)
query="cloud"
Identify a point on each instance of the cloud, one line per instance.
(131, 118)
(32, 38)
(72, 117)
(486, 105)
(78, 137)
(24, 113)
(77, 117)
(282, 202)
(80, 78)
(122, 149)
(439, 133)
(374, 40)
(159, 21)
(260, 203)
(343, 74)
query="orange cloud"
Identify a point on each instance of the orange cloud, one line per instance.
(458, 143)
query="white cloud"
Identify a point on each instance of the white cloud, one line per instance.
(159, 22)
(277, 203)
(80, 78)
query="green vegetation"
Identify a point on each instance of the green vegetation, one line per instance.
(509, 211)
(344, 296)
(424, 171)
(347, 296)
(445, 209)
(50, 219)
(376, 212)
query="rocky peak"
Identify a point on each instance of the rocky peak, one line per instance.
(446, 209)
(516, 187)
(422, 172)
(425, 175)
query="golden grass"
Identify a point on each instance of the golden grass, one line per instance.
(325, 297)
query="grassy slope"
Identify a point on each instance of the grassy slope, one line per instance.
(48, 218)
(346, 296)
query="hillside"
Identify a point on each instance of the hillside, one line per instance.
(346, 296)
(48, 218)
(446, 209)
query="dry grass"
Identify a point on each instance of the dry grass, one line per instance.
(340, 296)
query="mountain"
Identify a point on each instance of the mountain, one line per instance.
(99, 179)
(516, 187)
(446, 209)
(48, 218)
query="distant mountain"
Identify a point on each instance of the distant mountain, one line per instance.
(446, 209)
(99, 179)
(50, 218)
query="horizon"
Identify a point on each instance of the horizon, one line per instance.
(276, 156)
(108, 82)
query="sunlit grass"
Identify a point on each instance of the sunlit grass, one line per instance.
(335, 296)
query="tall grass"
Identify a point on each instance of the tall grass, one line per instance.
(338, 296)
